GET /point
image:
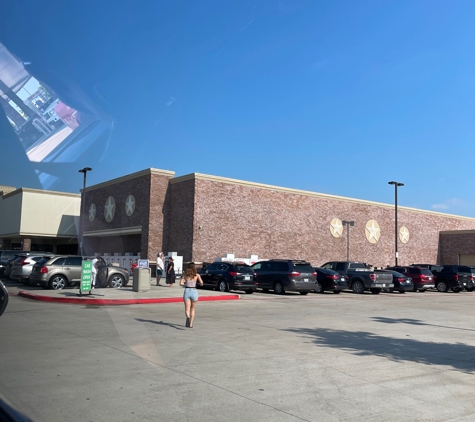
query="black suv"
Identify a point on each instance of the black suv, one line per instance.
(453, 277)
(283, 275)
(225, 276)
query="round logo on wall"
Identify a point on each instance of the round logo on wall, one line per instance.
(130, 205)
(404, 234)
(372, 231)
(109, 209)
(336, 228)
(92, 212)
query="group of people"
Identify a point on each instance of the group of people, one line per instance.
(189, 280)
(170, 277)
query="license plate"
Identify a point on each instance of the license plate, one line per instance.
(306, 280)
(247, 277)
(380, 285)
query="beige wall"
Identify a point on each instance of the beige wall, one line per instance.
(10, 213)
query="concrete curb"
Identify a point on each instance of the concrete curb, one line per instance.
(108, 302)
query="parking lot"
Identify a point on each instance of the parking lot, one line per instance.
(328, 357)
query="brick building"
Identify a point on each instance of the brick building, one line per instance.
(203, 217)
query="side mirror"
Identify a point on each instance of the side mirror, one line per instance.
(3, 298)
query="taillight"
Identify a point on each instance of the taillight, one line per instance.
(471, 278)
(423, 277)
(294, 274)
(333, 277)
(372, 277)
(233, 273)
(22, 262)
(43, 270)
(314, 274)
(400, 279)
(456, 277)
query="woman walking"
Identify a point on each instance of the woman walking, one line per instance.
(170, 280)
(190, 297)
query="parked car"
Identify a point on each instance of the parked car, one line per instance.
(22, 267)
(329, 280)
(453, 277)
(58, 272)
(225, 276)
(282, 275)
(402, 283)
(360, 278)
(422, 277)
(5, 256)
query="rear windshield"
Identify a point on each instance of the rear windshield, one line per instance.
(464, 269)
(246, 269)
(426, 271)
(303, 267)
(357, 265)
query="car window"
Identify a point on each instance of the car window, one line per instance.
(340, 266)
(73, 261)
(328, 265)
(426, 271)
(462, 269)
(243, 268)
(211, 267)
(303, 267)
(357, 265)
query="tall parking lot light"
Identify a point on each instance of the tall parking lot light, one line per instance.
(83, 211)
(396, 184)
(348, 224)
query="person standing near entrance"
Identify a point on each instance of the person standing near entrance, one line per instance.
(160, 266)
(190, 297)
(94, 271)
(170, 272)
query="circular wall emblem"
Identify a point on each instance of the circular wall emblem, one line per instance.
(109, 209)
(372, 231)
(92, 212)
(130, 205)
(404, 234)
(336, 228)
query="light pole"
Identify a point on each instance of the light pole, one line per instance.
(348, 224)
(396, 184)
(83, 204)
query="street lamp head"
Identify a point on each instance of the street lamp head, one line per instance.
(348, 223)
(395, 183)
(85, 170)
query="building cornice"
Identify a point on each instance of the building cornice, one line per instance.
(146, 172)
(122, 231)
(41, 192)
(218, 179)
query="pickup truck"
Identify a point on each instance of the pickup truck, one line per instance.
(360, 278)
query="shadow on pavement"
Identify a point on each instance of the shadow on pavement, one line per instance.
(415, 322)
(176, 327)
(361, 343)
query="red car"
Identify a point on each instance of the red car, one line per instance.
(422, 277)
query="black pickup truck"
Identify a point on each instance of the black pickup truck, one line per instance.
(360, 278)
(453, 277)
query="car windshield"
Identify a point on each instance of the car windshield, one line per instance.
(425, 271)
(243, 268)
(303, 267)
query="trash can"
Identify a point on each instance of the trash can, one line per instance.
(142, 279)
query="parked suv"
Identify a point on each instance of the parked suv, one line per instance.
(329, 280)
(23, 265)
(58, 272)
(453, 277)
(283, 275)
(5, 256)
(225, 276)
(422, 277)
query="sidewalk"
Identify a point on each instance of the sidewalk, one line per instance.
(109, 296)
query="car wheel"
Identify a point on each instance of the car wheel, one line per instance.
(336, 291)
(249, 291)
(116, 281)
(422, 290)
(303, 293)
(358, 287)
(223, 286)
(58, 282)
(457, 290)
(470, 289)
(376, 291)
(319, 288)
(402, 291)
(278, 288)
(442, 287)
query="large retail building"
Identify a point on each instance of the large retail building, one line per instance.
(202, 217)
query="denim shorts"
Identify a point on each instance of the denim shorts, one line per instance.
(190, 294)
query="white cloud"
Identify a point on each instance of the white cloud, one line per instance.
(172, 100)
(447, 204)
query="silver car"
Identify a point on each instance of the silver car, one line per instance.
(22, 267)
(58, 272)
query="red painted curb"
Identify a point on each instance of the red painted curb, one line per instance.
(107, 302)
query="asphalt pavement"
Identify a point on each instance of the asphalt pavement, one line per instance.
(346, 357)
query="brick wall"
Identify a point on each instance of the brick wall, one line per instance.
(451, 245)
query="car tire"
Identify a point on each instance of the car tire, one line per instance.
(422, 290)
(357, 287)
(279, 288)
(470, 289)
(249, 291)
(376, 291)
(57, 282)
(223, 286)
(303, 293)
(116, 281)
(402, 291)
(457, 290)
(319, 288)
(442, 286)
(336, 292)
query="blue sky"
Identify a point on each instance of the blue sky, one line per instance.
(337, 97)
